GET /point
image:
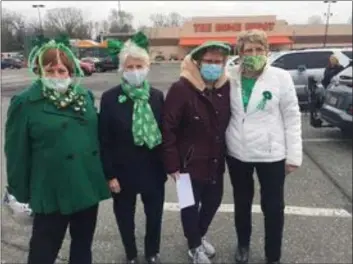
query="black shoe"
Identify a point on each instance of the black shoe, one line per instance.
(132, 261)
(242, 255)
(153, 260)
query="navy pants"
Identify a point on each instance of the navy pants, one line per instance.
(48, 233)
(124, 210)
(271, 178)
(196, 219)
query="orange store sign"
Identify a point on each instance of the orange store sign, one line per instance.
(233, 27)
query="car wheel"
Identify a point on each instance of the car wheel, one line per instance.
(346, 133)
(99, 69)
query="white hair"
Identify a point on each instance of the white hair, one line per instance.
(134, 51)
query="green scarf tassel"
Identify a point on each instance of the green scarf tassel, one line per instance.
(145, 128)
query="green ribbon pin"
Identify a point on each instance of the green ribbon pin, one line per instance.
(266, 96)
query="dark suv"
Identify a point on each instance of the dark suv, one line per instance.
(11, 63)
(334, 105)
(106, 64)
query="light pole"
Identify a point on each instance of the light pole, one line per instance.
(328, 14)
(119, 14)
(39, 17)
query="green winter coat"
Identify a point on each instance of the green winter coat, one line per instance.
(53, 160)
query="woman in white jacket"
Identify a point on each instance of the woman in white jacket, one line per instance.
(264, 134)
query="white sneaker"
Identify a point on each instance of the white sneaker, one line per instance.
(208, 248)
(199, 256)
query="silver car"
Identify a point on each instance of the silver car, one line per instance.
(337, 106)
(307, 62)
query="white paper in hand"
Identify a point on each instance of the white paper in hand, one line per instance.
(184, 191)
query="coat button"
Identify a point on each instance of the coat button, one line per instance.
(94, 153)
(70, 157)
(215, 160)
(217, 138)
(64, 125)
(217, 112)
(83, 122)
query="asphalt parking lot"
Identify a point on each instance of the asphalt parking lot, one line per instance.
(318, 225)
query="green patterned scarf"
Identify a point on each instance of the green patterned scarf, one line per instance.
(145, 129)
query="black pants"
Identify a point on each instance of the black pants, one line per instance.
(49, 231)
(271, 177)
(196, 219)
(124, 210)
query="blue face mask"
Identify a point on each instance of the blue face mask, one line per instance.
(211, 72)
(135, 77)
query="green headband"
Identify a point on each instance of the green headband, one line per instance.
(42, 44)
(115, 46)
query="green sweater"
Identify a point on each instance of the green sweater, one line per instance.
(247, 85)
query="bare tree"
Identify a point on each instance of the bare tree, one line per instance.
(33, 27)
(120, 21)
(173, 19)
(68, 20)
(159, 20)
(97, 28)
(105, 26)
(315, 20)
(12, 31)
(143, 29)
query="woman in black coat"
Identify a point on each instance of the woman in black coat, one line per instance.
(129, 128)
(333, 68)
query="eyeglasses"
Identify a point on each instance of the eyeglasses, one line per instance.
(212, 61)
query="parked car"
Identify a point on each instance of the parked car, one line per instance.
(335, 106)
(301, 64)
(90, 59)
(159, 58)
(106, 64)
(10, 63)
(232, 61)
(88, 68)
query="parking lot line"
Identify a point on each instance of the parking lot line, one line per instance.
(325, 139)
(289, 210)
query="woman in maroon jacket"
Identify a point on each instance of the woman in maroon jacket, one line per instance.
(196, 115)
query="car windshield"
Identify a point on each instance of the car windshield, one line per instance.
(348, 53)
(273, 56)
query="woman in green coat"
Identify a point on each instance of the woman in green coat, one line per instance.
(52, 151)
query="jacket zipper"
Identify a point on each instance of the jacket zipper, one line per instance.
(188, 156)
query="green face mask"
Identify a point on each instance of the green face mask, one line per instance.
(254, 62)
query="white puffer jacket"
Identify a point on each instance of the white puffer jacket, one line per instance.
(267, 135)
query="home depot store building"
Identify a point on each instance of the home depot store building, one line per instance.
(178, 41)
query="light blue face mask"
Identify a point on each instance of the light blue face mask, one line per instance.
(58, 84)
(136, 77)
(211, 72)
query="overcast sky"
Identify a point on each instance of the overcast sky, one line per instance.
(292, 11)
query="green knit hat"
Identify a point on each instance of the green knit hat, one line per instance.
(198, 51)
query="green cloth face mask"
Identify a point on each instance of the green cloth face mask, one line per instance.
(254, 62)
